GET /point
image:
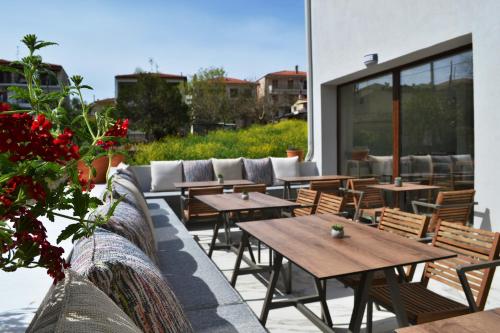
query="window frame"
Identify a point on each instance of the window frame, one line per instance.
(396, 103)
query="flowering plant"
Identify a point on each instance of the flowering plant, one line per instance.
(39, 178)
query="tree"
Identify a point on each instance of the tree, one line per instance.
(154, 106)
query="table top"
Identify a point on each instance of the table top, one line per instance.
(306, 241)
(210, 183)
(313, 178)
(232, 202)
(484, 321)
(406, 187)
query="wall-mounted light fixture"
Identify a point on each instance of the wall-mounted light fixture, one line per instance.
(370, 59)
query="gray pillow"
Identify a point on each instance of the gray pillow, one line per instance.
(259, 171)
(124, 273)
(76, 305)
(164, 174)
(198, 170)
(229, 168)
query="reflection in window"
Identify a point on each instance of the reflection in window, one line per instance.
(437, 129)
(366, 128)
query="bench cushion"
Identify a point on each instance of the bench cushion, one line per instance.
(124, 273)
(259, 171)
(164, 174)
(76, 305)
(198, 170)
(229, 168)
(284, 167)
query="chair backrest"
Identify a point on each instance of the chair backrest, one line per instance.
(402, 223)
(195, 206)
(472, 246)
(261, 188)
(454, 206)
(307, 198)
(328, 186)
(329, 204)
(372, 197)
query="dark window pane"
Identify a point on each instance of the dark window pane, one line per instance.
(437, 123)
(366, 128)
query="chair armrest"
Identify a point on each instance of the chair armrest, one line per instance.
(415, 205)
(425, 240)
(462, 269)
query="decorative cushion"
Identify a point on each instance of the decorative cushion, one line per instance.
(229, 168)
(441, 164)
(164, 174)
(76, 305)
(125, 171)
(198, 170)
(127, 221)
(259, 171)
(284, 167)
(124, 273)
(308, 168)
(134, 196)
(421, 165)
(381, 165)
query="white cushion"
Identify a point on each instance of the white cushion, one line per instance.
(381, 165)
(284, 167)
(164, 174)
(229, 168)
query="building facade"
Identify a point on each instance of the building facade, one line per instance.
(49, 83)
(127, 81)
(237, 88)
(283, 88)
(428, 103)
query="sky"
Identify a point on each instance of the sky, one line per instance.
(100, 39)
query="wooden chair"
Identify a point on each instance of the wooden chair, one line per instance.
(193, 209)
(400, 223)
(368, 201)
(471, 272)
(326, 186)
(261, 188)
(450, 206)
(329, 204)
(308, 199)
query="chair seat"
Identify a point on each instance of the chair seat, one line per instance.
(188, 216)
(302, 211)
(353, 280)
(422, 305)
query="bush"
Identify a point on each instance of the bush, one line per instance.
(254, 142)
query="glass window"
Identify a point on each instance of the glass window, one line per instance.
(290, 84)
(437, 122)
(366, 128)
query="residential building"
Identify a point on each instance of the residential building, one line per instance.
(102, 104)
(49, 82)
(283, 88)
(239, 88)
(426, 93)
(127, 81)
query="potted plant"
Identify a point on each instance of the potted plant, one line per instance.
(39, 178)
(220, 178)
(244, 195)
(337, 231)
(293, 151)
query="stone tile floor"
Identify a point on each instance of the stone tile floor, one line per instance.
(340, 299)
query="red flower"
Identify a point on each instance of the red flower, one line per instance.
(4, 107)
(118, 130)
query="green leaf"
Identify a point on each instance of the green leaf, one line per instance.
(69, 231)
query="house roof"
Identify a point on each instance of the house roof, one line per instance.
(53, 67)
(232, 80)
(161, 75)
(105, 101)
(286, 73)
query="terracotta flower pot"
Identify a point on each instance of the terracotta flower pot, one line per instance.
(100, 165)
(117, 159)
(295, 152)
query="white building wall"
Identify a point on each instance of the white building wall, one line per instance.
(402, 31)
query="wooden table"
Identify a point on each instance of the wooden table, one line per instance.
(233, 203)
(288, 181)
(484, 321)
(306, 242)
(404, 188)
(226, 184)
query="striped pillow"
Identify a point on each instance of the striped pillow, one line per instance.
(129, 222)
(259, 171)
(131, 280)
(198, 170)
(76, 305)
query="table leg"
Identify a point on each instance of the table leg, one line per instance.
(284, 190)
(360, 301)
(243, 243)
(271, 288)
(214, 237)
(397, 302)
(325, 313)
(227, 228)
